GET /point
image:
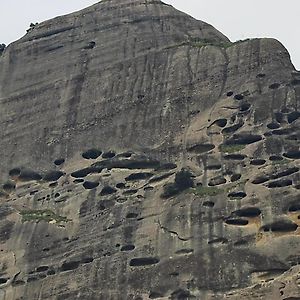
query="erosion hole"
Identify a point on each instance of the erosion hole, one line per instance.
(130, 192)
(14, 172)
(3, 280)
(244, 139)
(42, 268)
(143, 261)
(280, 183)
(131, 215)
(238, 222)
(166, 167)
(120, 185)
(89, 185)
(232, 128)
(82, 173)
(293, 116)
(59, 161)
(201, 148)
(245, 106)
(235, 157)
(125, 154)
(237, 195)
(51, 272)
(220, 122)
(240, 243)
(273, 125)
(9, 187)
(208, 204)
(281, 226)
(220, 240)
(184, 251)
(127, 248)
(274, 86)
(217, 181)
(294, 207)
(28, 175)
(91, 154)
(213, 167)
(249, 212)
(107, 190)
(87, 260)
(235, 177)
(279, 117)
(80, 180)
(275, 158)
(72, 265)
(292, 154)
(138, 176)
(109, 154)
(53, 175)
(261, 75)
(53, 184)
(260, 180)
(155, 295)
(239, 97)
(257, 162)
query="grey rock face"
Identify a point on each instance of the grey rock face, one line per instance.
(108, 116)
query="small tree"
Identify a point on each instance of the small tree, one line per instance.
(2, 47)
(31, 27)
(183, 181)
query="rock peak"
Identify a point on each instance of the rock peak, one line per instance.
(145, 156)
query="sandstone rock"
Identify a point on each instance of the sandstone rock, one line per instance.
(100, 110)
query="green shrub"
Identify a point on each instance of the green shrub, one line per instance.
(170, 190)
(41, 215)
(203, 191)
(183, 179)
(2, 48)
(231, 148)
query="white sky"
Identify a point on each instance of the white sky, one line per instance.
(237, 19)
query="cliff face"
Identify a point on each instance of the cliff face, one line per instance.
(100, 111)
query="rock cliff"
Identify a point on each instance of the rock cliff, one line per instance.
(146, 156)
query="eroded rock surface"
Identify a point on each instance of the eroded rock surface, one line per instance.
(145, 156)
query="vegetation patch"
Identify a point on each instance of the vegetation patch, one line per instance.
(42, 215)
(199, 43)
(280, 162)
(204, 191)
(231, 148)
(2, 48)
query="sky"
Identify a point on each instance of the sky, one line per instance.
(237, 19)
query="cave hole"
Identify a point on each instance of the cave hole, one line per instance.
(239, 97)
(143, 261)
(238, 222)
(89, 185)
(127, 248)
(91, 154)
(249, 212)
(109, 154)
(59, 161)
(107, 190)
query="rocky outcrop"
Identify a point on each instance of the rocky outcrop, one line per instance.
(145, 156)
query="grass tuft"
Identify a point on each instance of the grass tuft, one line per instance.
(231, 148)
(203, 191)
(42, 215)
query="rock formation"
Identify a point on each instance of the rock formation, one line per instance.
(145, 156)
